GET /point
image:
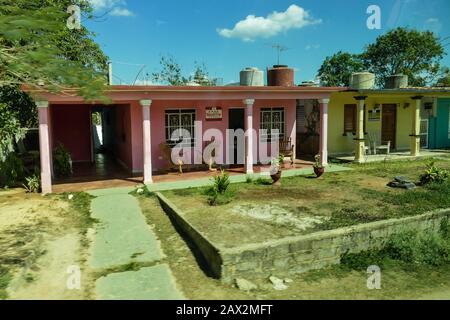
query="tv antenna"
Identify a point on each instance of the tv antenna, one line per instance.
(280, 48)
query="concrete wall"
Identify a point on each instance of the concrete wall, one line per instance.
(300, 254)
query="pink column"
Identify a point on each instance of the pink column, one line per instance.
(44, 147)
(249, 136)
(323, 147)
(147, 141)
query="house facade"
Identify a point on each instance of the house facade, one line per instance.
(140, 119)
(410, 119)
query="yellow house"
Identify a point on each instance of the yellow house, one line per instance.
(374, 121)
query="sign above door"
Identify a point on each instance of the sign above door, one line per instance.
(213, 113)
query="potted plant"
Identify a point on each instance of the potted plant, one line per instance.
(319, 169)
(275, 169)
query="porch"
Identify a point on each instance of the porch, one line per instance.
(105, 173)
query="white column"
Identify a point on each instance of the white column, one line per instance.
(323, 146)
(44, 147)
(359, 139)
(249, 136)
(147, 142)
(415, 135)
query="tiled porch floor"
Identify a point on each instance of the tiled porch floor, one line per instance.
(106, 173)
(397, 156)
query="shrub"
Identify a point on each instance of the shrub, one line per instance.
(32, 184)
(11, 171)
(62, 161)
(218, 194)
(434, 174)
(221, 182)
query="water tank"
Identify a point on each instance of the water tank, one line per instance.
(362, 80)
(396, 81)
(280, 76)
(251, 77)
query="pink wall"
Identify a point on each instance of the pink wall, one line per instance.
(157, 111)
(123, 135)
(71, 126)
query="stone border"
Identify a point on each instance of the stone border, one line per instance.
(296, 254)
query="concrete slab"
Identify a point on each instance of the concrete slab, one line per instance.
(122, 236)
(152, 283)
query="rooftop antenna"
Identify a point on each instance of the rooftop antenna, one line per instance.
(280, 48)
(110, 73)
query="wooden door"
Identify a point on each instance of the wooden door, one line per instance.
(389, 124)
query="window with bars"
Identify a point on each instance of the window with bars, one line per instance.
(180, 121)
(350, 118)
(272, 119)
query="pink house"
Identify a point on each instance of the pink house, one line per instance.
(140, 118)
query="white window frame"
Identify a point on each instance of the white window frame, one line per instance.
(425, 134)
(270, 125)
(169, 129)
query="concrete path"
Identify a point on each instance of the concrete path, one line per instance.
(122, 237)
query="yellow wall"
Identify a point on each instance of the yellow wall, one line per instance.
(340, 144)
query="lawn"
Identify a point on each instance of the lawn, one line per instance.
(302, 205)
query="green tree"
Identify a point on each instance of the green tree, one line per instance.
(337, 69)
(444, 78)
(201, 75)
(37, 49)
(416, 54)
(171, 74)
(31, 50)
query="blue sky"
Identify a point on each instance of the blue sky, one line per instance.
(138, 32)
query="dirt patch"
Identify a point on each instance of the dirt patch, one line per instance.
(275, 213)
(39, 238)
(47, 278)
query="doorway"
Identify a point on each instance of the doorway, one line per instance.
(236, 121)
(389, 124)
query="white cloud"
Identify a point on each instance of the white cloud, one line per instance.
(312, 46)
(106, 4)
(253, 27)
(115, 7)
(121, 12)
(433, 24)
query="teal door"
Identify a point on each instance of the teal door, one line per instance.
(440, 126)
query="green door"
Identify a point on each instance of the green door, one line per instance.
(440, 130)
